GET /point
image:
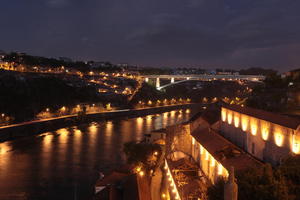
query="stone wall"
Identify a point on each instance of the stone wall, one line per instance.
(264, 140)
(178, 138)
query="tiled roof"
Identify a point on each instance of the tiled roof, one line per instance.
(224, 151)
(282, 120)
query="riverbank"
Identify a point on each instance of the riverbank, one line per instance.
(39, 126)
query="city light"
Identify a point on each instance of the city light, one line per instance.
(253, 126)
(172, 182)
(245, 121)
(229, 117)
(236, 120)
(141, 173)
(224, 114)
(295, 145)
(278, 139)
(265, 127)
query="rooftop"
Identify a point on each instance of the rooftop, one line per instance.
(224, 151)
(275, 118)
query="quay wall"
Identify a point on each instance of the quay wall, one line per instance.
(37, 127)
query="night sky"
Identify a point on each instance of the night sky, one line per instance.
(204, 33)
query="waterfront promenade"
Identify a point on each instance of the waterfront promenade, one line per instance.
(37, 126)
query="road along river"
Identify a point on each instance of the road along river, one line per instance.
(63, 164)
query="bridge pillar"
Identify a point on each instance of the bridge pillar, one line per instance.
(157, 83)
(146, 80)
(172, 80)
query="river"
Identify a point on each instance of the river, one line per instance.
(63, 164)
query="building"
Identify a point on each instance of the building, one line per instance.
(200, 141)
(267, 136)
(121, 184)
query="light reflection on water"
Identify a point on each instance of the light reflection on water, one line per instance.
(53, 164)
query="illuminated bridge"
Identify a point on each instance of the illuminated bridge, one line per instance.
(175, 79)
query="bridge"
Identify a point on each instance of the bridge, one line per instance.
(175, 79)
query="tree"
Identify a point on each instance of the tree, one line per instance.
(137, 153)
(290, 169)
(258, 183)
(262, 184)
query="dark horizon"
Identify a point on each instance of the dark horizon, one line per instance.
(192, 33)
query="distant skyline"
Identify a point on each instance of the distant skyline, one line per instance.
(205, 33)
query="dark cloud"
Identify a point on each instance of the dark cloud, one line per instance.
(57, 3)
(154, 32)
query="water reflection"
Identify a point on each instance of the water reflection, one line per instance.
(62, 163)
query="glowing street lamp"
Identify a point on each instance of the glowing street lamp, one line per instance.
(141, 173)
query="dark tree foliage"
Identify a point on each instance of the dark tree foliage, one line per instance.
(270, 96)
(216, 191)
(261, 184)
(139, 152)
(148, 92)
(23, 96)
(290, 169)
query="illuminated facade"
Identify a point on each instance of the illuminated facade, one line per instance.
(267, 136)
(210, 166)
(200, 140)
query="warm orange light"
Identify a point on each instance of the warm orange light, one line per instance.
(140, 120)
(138, 169)
(265, 128)
(63, 109)
(278, 139)
(223, 114)
(236, 120)
(229, 117)
(244, 122)
(212, 162)
(253, 126)
(141, 173)
(206, 155)
(201, 150)
(93, 128)
(220, 169)
(296, 145)
(173, 113)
